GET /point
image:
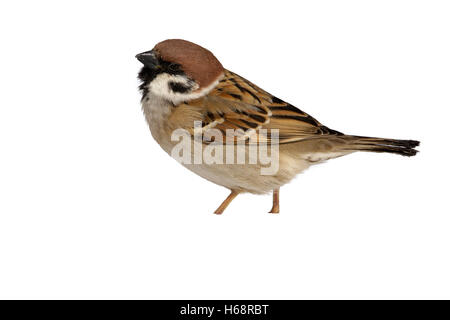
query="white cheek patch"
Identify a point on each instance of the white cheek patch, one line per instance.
(160, 86)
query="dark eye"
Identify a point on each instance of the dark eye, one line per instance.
(174, 67)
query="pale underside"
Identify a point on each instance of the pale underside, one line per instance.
(235, 103)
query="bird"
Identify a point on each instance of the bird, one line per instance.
(183, 84)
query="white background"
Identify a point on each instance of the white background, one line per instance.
(91, 207)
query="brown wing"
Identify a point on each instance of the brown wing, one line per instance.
(236, 103)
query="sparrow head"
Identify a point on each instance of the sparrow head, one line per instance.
(178, 70)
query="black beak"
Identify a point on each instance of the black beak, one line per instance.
(148, 59)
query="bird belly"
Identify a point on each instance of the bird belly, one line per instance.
(248, 177)
(240, 177)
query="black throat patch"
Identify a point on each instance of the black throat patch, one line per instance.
(146, 75)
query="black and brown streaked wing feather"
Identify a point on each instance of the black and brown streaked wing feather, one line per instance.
(236, 103)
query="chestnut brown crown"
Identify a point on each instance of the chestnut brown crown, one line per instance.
(198, 63)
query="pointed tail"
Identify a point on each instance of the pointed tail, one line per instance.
(401, 147)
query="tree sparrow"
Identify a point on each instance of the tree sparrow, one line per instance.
(185, 87)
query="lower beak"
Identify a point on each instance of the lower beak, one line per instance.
(148, 59)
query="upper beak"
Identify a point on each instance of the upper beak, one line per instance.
(149, 59)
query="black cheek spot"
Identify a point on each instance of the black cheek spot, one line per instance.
(178, 87)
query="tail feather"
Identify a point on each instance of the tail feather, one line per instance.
(401, 147)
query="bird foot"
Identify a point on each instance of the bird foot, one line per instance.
(275, 210)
